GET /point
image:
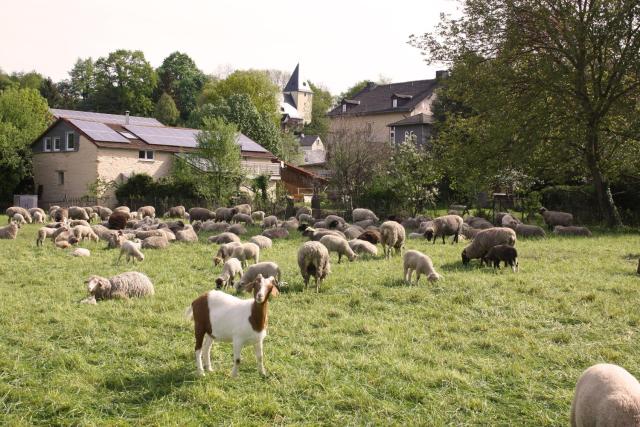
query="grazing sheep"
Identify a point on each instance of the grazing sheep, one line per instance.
(38, 217)
(243, 209)
(224, 238)
(276, 233)
(353, 232)
(224, 252)
(19, 219)
(263, 242)
(477, 222)
(238, 229)
(43, 233)
(147, 211)
(81, 252)
(499, 253)
(334, 221)
(246, 252)
(444, 226)
(291, 224)
(392, 237)
(606, 395)
(243, 218)
(176, 212)
(270, 221)
(201, 214)
(364, 224)
(143, 234)
(155, 242)
(360, 214)
(362, 247)
(339, 245)
(571, 230)
(371, 236)
(316, 235)
(313, 260)
(83, 232)
(103, 212)
(421, 264)
(187, 234)
(485, 240)
(224, 214)
(126, 285)
(266, 269)
(9, 232)
(303, 210)
(305, 218)
(32, 212)
(469, 232)
(76, 212)
(222, 317)
(231, 268)
(118, 220)
(257, 216)
(59, 214)
(18, 210)
(131, 248)
(553, 218)
(526, 230)
(320, 224)
(78, 222)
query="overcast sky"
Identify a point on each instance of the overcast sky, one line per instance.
(337, 42)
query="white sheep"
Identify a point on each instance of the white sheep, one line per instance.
(155, 242)
(83, 232)
(19, 219)
(485, 240)
(9, 231)
(421, 264)
(246, 252)
(443, 226)
(392, 237)
(262, 241)
(606, 395)
(125, 285)
(257, 216)
(270, 221)
(187, 234)
(81, 252)
(231, 268)
(132, 249)
(353, 231)
(360, 214)
(38, 217)
(224, 252)
(362, 247)
(222, 317)
(266, 269)
(313, 260)
(43, 233)
(10, 212)
(340, 246)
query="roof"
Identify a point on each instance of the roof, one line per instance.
(304, 172)
(375, 99)
(416, 119)
(308, 140)
(119, 119)
(297, 83)
(288, 107)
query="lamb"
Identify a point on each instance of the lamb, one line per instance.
(243, 218)
(81, 252)
(263, 242)
(43, 233)
(266, 269)
(76, 212)
(606, 395)
(38, 217)
(118, 220)
(9, 232)
(257, 216)
(339, 245)
(362, 247)
(246, 252)
(147, 211)
(223, 317)
(18, 210)
(32, 212)
(19, 219)
(225, 214)
(224, 238)
(237, 229)
(353, 232)
(392, 237)
(83, 232)
(176, 212)
(421, 264)
(243, 209)
(360, 214)
(116, 240)
(225, 251)
(155, 242)
(505, 253)
(276, 233)
(485, 240)
(526, 230)
(64, 239)
(231, 268)
(126, 285)
(553, 218)
(131, 248)
(313, 260)
(187, 234)
(303, 210)
(444, 226)
(270, 221)
(571, 230)
(201, 214)
(371, 236)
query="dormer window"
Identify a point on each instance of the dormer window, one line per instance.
(394, 102)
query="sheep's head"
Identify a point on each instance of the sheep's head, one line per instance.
(262, 288)
(434, 277)
(353, 257)
(217, 261)
(197, 226)
(542, 210)
(465, 258)
(98, 286)
(428, 234)
(219, 283)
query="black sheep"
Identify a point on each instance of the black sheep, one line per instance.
(118, 220)
(499, 253)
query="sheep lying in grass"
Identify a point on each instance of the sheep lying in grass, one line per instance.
(353, 232)
(360, 214)
(126, 285)
(571, 230)
(9, 232)
(448, 225)
(477, 222)
(224, 238)
(81, 252)
(303, 210)
(313, 260)
(421, 264)
(131, 248)
(237, 229)
(606, 395)
(553, 218)
(340, 246)
(155, 242)
(231, 268)
(187, 234)
(362, 247)
(263, 242)
(306, 219)
(501, 253)
(393, 237)
(266, 269)
(485, 240)
(276, 233)
(371, 236)
(526, 230)
(217, 227)
(509, 221)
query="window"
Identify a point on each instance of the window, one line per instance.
(395, 102)
(57, 145)
(60, 177)
(71, 141)
(145, 155)
(392, 135)
(47, 144)
(344, 108)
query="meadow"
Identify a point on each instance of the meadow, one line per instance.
(481, 347)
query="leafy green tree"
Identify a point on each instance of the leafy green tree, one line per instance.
(49, 91)
(5, 81)
(83, 84)
(166, 110)
(353, 90)
(290, 149)
(24, 115)
(321, 104)
(183, 80)
(30, 80)
(125, 81)
(560, 82)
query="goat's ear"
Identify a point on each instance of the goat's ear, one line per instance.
(275, 290)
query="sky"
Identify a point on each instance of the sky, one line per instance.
(337, 43)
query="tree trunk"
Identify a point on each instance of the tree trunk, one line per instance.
(606, 204)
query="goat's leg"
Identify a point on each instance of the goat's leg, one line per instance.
(206, 348)
(259, 356)
(237, 348)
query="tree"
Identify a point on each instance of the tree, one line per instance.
(353, 90)
(166, 111)
(183, 80)
(24, 115)
(124, 81)
(321, 104)
(83, 84)
(562, 77)
(253, 83)
(49, 91)
(5, 81)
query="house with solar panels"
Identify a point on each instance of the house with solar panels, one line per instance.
(81, 147)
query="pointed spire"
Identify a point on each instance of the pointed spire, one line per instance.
(297, 84)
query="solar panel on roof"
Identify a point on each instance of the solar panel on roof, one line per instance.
(104, 118)
(165, 136)
(98, 131)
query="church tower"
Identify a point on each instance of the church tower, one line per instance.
(301, 94)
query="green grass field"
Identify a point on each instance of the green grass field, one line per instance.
(479, 348)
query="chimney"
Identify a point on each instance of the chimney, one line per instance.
(442, 74)
(126, 117)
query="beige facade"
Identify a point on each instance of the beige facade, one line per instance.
(304, 101)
